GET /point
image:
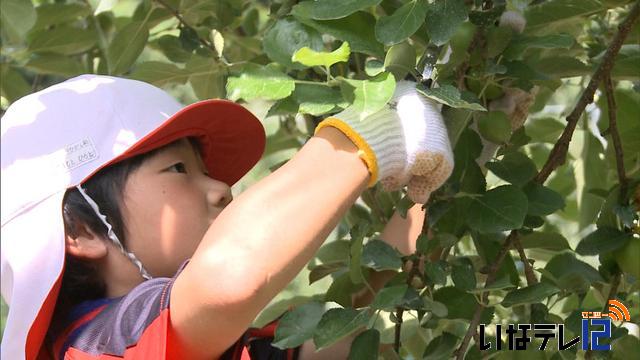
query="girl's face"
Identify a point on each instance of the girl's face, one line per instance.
(168, 205)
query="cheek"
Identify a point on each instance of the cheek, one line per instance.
(181, 224)
(166, 226)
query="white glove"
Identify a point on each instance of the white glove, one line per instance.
(406, 143)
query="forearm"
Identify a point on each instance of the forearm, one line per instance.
(401, 233)
(269, 232)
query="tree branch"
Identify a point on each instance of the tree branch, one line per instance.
(178, 16)
(615, 135)
(415, 271)
(528, 269)
(491, 277)
(556, 158)
(559, 151)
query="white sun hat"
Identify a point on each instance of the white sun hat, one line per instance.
(59, 137)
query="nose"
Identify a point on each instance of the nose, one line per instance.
(218, 193)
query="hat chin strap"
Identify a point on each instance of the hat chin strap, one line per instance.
(112, 235)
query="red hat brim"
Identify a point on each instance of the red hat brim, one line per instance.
(231, 138)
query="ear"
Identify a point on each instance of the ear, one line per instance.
(86, 244)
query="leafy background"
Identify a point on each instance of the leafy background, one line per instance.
(293, 63)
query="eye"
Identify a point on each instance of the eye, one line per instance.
(178, 167)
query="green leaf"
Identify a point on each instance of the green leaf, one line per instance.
(501, 283)
(530, 294)
(627, 64)
(435, 272)
(309, 57)
(443, 19)
(317, 99)
(571, 273)
(542, 200)
(402, 23)
(449, 95)
(55, 64)
(171, 47)
(374, 67)
(498, 39)
(627, 105)
(64, 39)
(368, 96)
(441, 347)
(494, 126)
(515, 167)
(461, 305)
(400, 60)
(365, 346)
(334, 251)
(357, 29)
(13, 84)
(58, 13)
(379, 255)
(437, 308)
(298, 325)
(389, 298)
(423, 244)
(126, 46)
(338, 323)
(17, 17)
(323, 270)
(285, 37)
(624, 346)
(543, 14)
(517, 47)
(602, 240)
(544, 240)
(546, 130)
(463, 274)
(259, 82)
(499, 209)
(562, 66)
(466, 171)
(159, 73)
(206, 76)
(331, 9)
(341, 289)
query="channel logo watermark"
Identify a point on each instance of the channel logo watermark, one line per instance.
(596, 326)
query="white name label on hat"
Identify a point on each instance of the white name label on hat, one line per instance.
(78, 154)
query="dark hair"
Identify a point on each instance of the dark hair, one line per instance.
(81, 280)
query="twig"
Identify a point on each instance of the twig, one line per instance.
(528, 269)
(615, 135)
(178, 16)
(415, 271)
(491, 277)
(396, 341)
(556, 158)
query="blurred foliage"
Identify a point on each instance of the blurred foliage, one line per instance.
(294, 62)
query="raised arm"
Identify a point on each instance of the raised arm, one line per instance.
(262, 240)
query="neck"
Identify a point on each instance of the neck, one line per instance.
(119, 273)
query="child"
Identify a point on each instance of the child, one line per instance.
(114, 242)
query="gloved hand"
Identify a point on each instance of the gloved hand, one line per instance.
(405, 143)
